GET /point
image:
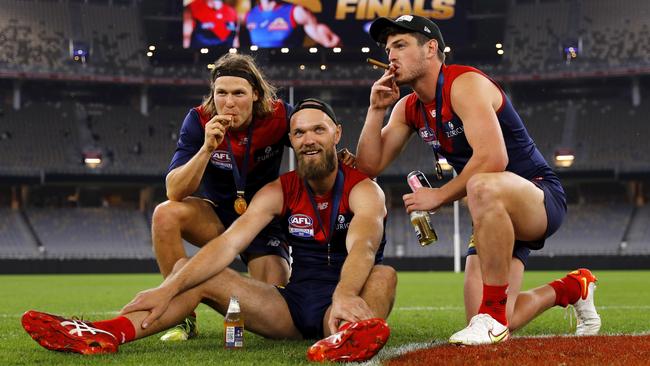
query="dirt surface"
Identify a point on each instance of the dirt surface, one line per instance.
(566, 351)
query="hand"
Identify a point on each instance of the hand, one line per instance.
(349, 308)
(215, 130)
(384, 92)
(328, 38)
(155, 301)
(424, 199)
(347, 158)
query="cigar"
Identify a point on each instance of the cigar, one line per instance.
(374, 62)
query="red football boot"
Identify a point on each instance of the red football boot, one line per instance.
(354, 342)
(68, 335)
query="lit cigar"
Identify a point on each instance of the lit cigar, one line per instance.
(374, 62)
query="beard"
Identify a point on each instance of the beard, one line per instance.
(319, 169)
(411, 77)
(416, 72)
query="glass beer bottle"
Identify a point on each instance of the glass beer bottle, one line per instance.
(420, 219)
(233, 326)
(423, 229)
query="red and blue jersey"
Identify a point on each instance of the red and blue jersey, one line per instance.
(270, 136)
(275, 27)
(212, 26)
(306, 237)
(450, 141)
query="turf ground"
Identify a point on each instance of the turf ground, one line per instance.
(428, 308)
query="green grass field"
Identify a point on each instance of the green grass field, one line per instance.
(428, 308)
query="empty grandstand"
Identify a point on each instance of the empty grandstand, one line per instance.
(125, 107)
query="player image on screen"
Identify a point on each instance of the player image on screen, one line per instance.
(208, 23)
(280, 24)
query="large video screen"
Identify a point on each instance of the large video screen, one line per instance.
(295, 23)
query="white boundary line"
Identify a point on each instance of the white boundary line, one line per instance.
(393, 352)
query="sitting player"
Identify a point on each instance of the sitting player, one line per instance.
(333, 217)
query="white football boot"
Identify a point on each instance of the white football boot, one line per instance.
(482, 329)
(588, 321)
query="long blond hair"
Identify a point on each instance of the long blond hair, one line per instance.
(263, 107)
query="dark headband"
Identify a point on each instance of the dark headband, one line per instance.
(313, 103)
(234, 72)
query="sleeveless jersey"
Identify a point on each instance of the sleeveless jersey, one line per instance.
(304, 234)
(524, 159)
(273, 28)
(212, 27)
(270, 135)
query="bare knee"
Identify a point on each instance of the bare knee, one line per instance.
(271, 269)
(168, 214)
(385, 275)
(484, 191)
(179, 264)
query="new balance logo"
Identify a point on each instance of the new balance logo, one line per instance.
(80, 327)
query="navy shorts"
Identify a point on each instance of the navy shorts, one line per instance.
(308, 301)
(270, 241)
(555, 205)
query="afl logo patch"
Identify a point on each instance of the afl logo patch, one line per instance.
(221, 159)
(429, 137)
(301, 225)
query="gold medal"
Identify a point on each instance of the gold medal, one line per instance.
(240, 205)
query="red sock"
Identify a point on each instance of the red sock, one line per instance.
(494, 302)
(121, 327)
(567, 290)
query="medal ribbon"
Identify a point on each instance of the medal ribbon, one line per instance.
(240, 179)
(441, 80)
(336, 200)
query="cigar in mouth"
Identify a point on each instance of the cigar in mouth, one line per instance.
(374, 62)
